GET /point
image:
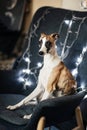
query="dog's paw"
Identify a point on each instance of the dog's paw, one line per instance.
(10, 107)
(27, 116)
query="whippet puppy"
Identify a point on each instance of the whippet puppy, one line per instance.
(54, 79)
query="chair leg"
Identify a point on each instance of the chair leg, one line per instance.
(79, 120)
(41, 123)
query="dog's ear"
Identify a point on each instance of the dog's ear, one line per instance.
(43, 34)
(55, 36)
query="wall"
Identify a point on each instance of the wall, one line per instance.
(72, 4)
(68, 4)
(38, 3)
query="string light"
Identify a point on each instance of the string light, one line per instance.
(74, 72)
(65, 45)
(80, 58)
(21, 79)
(82, 85)
(28, 83)
(27, 71)
(39, 64)
(66, 22)
(26, 56)
(78, 62)
(27, 59)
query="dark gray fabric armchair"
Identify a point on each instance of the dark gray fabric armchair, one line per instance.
(17, 83)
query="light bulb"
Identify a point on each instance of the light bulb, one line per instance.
(74, 72)
(27, 59)
(39, 64)
(26, 71)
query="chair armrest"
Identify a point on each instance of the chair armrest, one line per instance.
(80, 126)
(55, 110)
(52, 109)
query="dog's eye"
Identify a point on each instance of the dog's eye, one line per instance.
(48, 44)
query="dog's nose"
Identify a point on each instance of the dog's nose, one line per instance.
(41, 53)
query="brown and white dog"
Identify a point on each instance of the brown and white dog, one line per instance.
(54, 77)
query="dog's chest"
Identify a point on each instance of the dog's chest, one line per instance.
(45, 73)
(46, 70)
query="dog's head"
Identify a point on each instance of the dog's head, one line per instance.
(47, 43)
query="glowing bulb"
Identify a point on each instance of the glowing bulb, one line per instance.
(67, 22)
(74, 72)
(26, 71)
(27, 59)
(21, 79)
(56, 46)
(82, 85)
(79, 60)
(39, 64)
(29, 83)
(84, 49)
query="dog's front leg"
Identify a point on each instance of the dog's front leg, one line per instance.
(46, 95)
(34, 94)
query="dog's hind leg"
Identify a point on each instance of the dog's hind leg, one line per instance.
(54, 78)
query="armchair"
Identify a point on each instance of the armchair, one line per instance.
(15, 84)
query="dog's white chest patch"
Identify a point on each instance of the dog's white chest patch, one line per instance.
(46, 70)
(45, 73)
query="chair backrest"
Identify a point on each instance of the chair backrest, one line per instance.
(72, 44)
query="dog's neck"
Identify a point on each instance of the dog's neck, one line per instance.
(51, 58)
